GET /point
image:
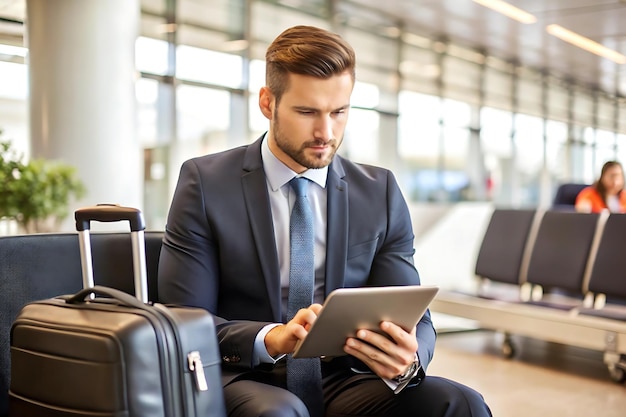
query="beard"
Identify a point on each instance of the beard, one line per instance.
(310, 159)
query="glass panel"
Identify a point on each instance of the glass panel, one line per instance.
(530, 157)
(224, 15)
(257, 75)
(270, 20)
(605, 149)
(455, 163)
(583, 108)
(589, 135)
(361, 137)
(529, 143)
(498, 88)
(153, 6)
(147, 94)
(497, 150)
(217, 68)
(464, 88)
(419, 69)
(621, 148)
(558, 102)
(372, 50)
(258, 122)
(14, 125)
(621, 118)
(203, 38)
(606, 113)
(365, 95)
(556, 150)
(151, 55)
(418, 127)
(495, 133)
(456, 113)
(419, 132)
(582, 161)
(203, 116)
(14, 81)
(153, 27)
(529, 96)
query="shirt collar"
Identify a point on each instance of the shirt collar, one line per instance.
(278, 174)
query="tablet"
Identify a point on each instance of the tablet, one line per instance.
(347, 310)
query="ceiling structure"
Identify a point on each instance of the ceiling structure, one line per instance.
(472, 25)
(469, 24)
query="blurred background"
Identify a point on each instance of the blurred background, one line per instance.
(471, 104)
(463, 102)
(474, 104)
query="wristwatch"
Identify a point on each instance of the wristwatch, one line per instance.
(406, 377)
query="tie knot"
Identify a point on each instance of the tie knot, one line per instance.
(299, 185)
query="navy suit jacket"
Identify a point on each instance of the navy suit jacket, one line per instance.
(219, 251)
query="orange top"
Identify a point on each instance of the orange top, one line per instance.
(589, 197)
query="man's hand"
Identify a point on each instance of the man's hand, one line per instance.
(282, 339)
(386, 358)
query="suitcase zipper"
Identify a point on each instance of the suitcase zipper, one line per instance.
(195, 365)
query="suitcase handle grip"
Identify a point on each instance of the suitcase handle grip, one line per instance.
(109, 213)
(126, 299)
(113, 213)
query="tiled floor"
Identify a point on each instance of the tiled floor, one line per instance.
(543, 379)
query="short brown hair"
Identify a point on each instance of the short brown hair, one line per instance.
(306, 50)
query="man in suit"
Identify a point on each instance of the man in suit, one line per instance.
(226, 249)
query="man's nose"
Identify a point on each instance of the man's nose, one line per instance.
(324, 128)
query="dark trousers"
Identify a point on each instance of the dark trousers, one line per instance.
(349, 394)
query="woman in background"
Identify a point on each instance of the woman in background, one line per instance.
(607, 193)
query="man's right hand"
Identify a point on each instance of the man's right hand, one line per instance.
(282, 339)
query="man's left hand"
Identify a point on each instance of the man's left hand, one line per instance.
(386, 358)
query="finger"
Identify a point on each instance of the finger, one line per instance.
(402, 338)
(305, 316)
(376, 360)
(377, 348)
(380, 341)
(316, 308)
(397, 357)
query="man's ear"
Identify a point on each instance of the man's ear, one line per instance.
(266, 102)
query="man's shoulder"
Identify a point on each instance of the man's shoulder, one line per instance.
(351, 168)
(233, 158)
(231, 153)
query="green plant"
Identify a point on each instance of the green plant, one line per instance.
(36, 193)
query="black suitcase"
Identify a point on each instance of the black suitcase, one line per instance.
(102, 352)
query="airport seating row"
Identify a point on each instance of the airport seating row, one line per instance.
(40, 266)
(554, 275)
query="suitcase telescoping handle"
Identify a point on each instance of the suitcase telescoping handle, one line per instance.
(114, 213)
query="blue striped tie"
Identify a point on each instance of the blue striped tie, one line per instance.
(304, 377)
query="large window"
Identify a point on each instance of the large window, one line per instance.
(456, 121)
(14, 105)
(210, 67)
(530, 158)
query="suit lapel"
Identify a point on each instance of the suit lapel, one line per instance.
(260, 215)
(337, 220)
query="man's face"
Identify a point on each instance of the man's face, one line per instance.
(307, 126)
